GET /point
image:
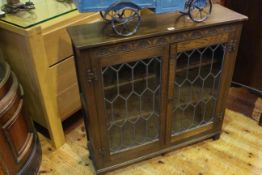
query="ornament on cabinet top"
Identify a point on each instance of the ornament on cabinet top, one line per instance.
(14, 6)
(125, 15)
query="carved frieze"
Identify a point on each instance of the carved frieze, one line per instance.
(160, 40)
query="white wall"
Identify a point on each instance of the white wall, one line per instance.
(2, 2)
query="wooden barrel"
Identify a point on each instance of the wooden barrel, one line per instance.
(5, 79)
(20, 151)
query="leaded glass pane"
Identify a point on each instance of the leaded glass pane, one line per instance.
(132, 102)
(198, 73)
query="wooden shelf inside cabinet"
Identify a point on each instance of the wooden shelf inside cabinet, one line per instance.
(195, 64)
(132, 118)
(124, 83)
(193, 102)
(143, 109)
(152, 77)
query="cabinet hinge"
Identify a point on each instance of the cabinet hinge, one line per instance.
(91, 75)
(232, 45)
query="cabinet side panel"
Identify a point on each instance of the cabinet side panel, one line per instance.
(89, 105)
(228, 69)
(15, 53)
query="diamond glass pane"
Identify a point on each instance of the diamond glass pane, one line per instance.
(196, 87)
(132, 98)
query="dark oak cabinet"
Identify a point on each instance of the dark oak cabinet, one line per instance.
(161, 89)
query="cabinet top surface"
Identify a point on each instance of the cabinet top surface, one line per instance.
(100, 33)
(44, 11)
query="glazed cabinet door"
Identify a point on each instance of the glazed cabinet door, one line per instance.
(196, 78)
(130, 92)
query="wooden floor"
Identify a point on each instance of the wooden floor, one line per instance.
(237, 152)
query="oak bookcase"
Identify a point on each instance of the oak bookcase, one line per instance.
(160, 89)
